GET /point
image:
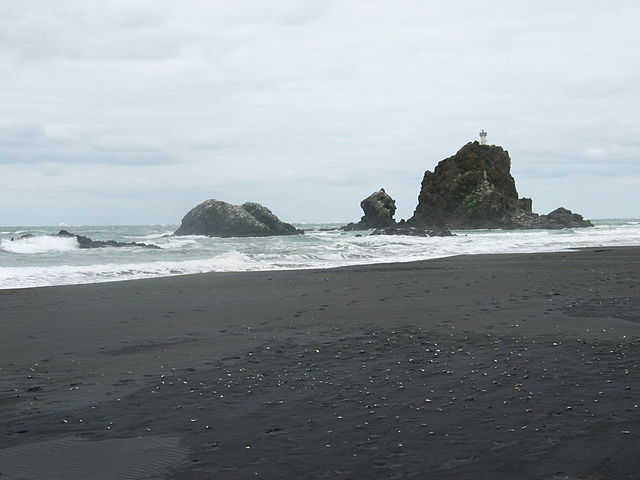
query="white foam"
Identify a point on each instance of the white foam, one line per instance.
(317, 249)
(20, 277)
(39, 244)
(153, 236)
(176, 243)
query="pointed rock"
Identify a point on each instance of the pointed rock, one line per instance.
(379, 209)
(474, 189)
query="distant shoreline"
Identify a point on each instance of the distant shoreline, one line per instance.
(176, 225)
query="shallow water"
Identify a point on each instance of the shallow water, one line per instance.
(46, 260)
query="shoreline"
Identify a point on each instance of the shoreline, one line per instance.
(564, 250)
(189, 370)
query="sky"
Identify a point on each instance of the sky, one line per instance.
(133, 112)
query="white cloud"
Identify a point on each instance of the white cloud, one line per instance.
(304, 98)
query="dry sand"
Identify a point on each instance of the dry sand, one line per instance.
(472, 367)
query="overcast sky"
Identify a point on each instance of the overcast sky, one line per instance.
(135, 111)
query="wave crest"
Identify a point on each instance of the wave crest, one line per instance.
(39, 244)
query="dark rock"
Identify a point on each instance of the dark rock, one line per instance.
(563, 218)
(215, 218)
(86, 242)
(266, 217)
(526, 204)
(378, 209)
(350, 227)
(412, 231)
(474, 189)
(556, 220)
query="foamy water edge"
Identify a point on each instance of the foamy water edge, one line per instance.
(49, 260)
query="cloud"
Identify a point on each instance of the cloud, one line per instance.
(339, 96)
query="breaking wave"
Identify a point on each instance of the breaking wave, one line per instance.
(39, 244)
(45, 259)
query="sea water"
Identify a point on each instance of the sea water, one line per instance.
(45, 259)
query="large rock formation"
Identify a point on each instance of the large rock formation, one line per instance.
(378, 209)
(475, 189)
(215, 218)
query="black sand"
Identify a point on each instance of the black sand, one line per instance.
(477, 367)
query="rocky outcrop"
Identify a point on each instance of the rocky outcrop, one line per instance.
(412, 231)
(215, 218)
(86, 242)
(563, 218)
(558, 219)
(379, 209)
(474, 189)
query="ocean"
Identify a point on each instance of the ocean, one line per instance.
(45, 260)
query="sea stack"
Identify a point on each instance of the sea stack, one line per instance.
(215, 218)
(474, 189)
(378, 209)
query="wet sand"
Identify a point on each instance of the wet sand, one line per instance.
(474, 367)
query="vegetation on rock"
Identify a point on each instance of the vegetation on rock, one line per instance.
(474, 189)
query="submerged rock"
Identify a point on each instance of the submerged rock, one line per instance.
(216, 218)
(86, 242)
(412, 231)
(378, 209)
(474, 189)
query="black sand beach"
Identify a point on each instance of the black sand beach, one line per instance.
(475, 367)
